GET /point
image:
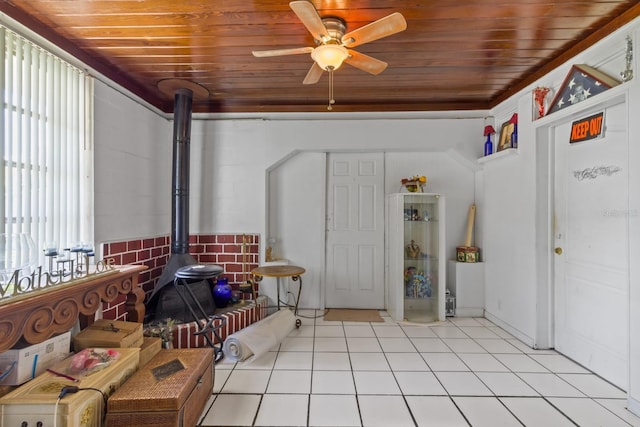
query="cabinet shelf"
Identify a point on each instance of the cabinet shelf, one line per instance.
(416, 274)
(421, 260)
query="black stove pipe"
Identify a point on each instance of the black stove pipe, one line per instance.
(181, 142)
(180, 172)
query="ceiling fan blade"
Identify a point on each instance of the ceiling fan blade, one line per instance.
(314, 74)
(309, 16)
(365, 62)
(282, 52)
(383, 27)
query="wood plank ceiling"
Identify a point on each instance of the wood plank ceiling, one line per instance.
(454, 55)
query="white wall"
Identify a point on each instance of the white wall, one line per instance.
(448, 175)
(296, 192)
(518, 262)
(232, 161)
(508, 227)
(634, 234)
(132, 168)
(634, 241)
(513, 197)
(297, 202)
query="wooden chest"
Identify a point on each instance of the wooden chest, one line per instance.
(35, 401)
(171, 390)
(109, 333)
(150, 347)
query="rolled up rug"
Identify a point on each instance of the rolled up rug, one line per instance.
(258, 338)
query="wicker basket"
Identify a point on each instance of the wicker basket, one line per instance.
(171, 390)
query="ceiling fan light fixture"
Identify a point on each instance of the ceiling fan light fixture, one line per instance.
(332, 42)
(329, 56)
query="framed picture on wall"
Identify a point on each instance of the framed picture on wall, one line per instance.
(582, 82)
(504, 141)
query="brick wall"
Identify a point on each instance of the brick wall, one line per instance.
(225, 250)
(228, 323)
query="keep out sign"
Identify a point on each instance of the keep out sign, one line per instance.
(588, 128)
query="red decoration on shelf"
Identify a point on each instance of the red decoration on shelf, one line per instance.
(539, 95)
(489, 130)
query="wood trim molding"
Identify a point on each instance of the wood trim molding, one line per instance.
(56, 310)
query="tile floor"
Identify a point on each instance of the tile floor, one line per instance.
(463, 372)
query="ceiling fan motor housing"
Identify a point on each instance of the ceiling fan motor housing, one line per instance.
(336, 28)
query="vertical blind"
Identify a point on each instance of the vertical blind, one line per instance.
(46, 145)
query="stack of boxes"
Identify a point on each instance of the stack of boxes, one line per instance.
(116, 333)
(36, 402)
(70, 397)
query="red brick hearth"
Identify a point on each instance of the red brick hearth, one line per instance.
(226, 250)
(234, 320)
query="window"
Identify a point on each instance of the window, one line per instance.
(46, 145)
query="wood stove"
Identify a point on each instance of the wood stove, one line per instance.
(165, 302)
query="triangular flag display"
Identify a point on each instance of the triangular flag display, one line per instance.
(581, 83)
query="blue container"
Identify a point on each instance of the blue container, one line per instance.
(488, 146)
(222, 292)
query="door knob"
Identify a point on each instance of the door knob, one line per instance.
(558, 251)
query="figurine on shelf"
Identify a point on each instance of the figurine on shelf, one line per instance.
(270, 251)
(417, 284)
(414, 184)
(541, 96)
(488, 145)
(514, 134)
(413, 250)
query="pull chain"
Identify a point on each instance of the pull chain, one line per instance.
(331, 100)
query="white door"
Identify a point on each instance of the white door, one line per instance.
(354, 273)
(591, 232)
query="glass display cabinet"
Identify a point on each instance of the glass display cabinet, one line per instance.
(416, 264)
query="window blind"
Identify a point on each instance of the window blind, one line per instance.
(46, 146)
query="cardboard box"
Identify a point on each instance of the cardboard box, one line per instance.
(36, 401)
(109, 333)
(22, 363)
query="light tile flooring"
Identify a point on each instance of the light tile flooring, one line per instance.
(465, 371)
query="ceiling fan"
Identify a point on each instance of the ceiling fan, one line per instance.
(333, 45)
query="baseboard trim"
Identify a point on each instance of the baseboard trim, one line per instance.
(516, 333)
(633, 406)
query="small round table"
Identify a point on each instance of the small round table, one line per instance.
(279, 271)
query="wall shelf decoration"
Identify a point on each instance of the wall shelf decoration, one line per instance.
(504, 143)
(542, 98)
(507, 152)
(581, 83)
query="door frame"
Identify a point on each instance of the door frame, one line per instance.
(545, 206)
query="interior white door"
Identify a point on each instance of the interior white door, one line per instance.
(354, 273)
(591, 245)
